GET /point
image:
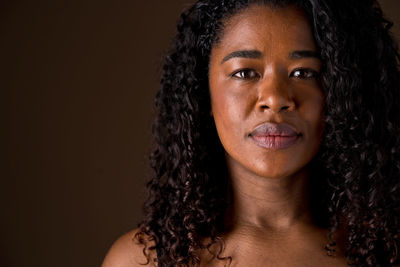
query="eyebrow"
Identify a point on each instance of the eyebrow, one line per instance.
(243, 54)
(256, 54)
(303, 54)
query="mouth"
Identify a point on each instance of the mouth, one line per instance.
(275, 136)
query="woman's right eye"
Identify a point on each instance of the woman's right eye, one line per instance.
(246, 74)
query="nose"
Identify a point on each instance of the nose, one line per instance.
(275, 95)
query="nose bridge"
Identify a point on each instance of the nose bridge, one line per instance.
(274, 93)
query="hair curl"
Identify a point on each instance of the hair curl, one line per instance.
(357, 168)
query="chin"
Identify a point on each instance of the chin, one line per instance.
(277, 170)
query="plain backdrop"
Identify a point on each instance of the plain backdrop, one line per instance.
(77, 82)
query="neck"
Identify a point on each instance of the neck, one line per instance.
(273, 204)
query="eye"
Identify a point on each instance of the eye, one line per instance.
(304, 74)
(246, 74)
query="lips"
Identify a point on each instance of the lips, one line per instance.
(275, 135)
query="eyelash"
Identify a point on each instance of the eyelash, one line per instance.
(304, 74)
(310, 74)
(245, 71)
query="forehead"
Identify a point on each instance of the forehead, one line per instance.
(264, 28)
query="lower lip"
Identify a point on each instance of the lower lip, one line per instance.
(275, 142)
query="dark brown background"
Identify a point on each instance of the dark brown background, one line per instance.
(77, 83)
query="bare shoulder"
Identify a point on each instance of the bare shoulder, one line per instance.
(128, 252)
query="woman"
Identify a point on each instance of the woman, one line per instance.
(277, 140)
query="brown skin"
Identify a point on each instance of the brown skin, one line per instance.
(246, 92)
(269, 220)
(269, 216)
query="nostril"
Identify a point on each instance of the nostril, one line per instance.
(285, 108)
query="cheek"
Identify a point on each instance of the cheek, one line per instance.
(312, 111)
(318, 115)
(311, 104)
(231, 100)
(226, 115)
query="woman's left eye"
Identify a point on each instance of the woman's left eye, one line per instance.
(304, 74)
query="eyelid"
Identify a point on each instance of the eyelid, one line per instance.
(232, 75)
(314, 72)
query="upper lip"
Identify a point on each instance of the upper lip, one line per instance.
(274, 129)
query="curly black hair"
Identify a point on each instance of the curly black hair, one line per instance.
(357, 167)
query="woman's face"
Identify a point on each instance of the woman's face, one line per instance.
(265, 96)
